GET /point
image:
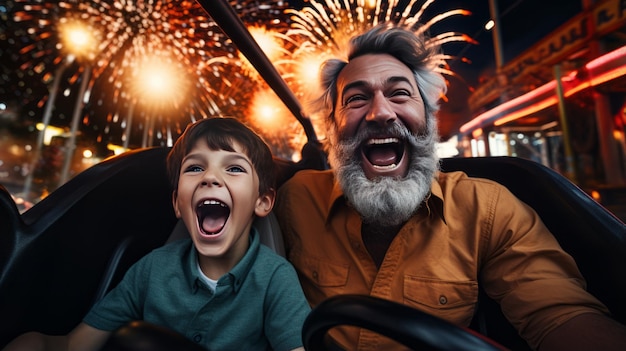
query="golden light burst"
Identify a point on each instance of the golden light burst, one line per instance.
(321, 29)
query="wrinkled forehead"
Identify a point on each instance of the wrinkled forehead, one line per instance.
(373, 70)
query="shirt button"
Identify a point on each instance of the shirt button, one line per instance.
(443, 300)
(197, 338)
(315, 275)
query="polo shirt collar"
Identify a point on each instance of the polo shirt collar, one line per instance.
(434, 200)
(237, 274)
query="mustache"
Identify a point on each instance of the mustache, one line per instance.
(373, 131)
(386, 201)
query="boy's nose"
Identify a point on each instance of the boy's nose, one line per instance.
(212, 179)
(381, 110)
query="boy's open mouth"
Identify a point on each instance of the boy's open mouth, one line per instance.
(212, 216)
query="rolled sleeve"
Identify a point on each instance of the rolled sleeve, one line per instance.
(537, 284)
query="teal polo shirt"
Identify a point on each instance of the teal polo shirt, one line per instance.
(257, 306)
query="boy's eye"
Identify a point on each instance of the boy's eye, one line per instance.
(193, 168)
(236, 169)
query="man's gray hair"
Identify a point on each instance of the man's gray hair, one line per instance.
(410, 48)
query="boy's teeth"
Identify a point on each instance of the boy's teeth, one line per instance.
(213, 202)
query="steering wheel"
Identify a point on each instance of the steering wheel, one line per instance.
(408, 326)
(143, 336)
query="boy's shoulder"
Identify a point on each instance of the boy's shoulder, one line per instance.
(269, 255)
(177, 248)
(267, 261)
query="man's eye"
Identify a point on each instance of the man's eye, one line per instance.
(401, 92)
(355, 99)
(400, 95)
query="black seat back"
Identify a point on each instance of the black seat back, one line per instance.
(54, 256)
(69, 249)
(585, 229)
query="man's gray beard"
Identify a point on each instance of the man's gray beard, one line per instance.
(386, 201)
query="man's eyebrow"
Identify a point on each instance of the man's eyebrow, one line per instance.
(363, 83)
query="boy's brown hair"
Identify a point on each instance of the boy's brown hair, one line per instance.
(220, 133)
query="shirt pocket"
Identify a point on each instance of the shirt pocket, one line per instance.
(454, 301)
(322, 273)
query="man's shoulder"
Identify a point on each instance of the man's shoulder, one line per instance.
(308, 176)
(461, 179)
(309, 181)
(459, 185)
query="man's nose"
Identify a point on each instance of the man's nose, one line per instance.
(381, 110)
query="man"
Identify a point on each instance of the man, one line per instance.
(385, 222)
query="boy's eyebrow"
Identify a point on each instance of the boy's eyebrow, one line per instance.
(240, 156)
(232, 155)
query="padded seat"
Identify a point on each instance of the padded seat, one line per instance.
(60, 256)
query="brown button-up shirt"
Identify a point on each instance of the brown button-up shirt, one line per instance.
(467, 230)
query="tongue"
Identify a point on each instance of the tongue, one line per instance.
(212, 225)
(381, 156)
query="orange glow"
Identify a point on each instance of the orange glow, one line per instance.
(527, 111)
(308, 69)
(507, 106)
(157, 81)
(600, 70)
(612, 56)
(270, 43)
(78, 39)
(595, 195)
(268, 112)
(610, 75)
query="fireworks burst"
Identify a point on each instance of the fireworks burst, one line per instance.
(323, 28)
(173, 34)
(211, 77)
(327, 25)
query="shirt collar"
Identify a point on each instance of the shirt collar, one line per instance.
(237, 274)
(433, 202)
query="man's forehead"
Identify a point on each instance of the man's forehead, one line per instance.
(372, 70)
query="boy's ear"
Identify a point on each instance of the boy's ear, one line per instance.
(265, 203)
(175, 204)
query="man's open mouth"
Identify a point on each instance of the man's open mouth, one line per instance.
(383, 153)
(212, 216)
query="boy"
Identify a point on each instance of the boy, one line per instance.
(220, 288)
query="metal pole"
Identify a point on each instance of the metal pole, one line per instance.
(70, 145)
(496, 34)
(129, 123)
(146, 131)
(570, 168)
(47, 114)
(225, 16)
(609, 150)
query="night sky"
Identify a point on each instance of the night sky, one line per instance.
(523, 23)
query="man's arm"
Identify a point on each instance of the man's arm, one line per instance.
(82, 338)
(587, 331)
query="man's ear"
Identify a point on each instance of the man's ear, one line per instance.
(175, 204)
(265, 203)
